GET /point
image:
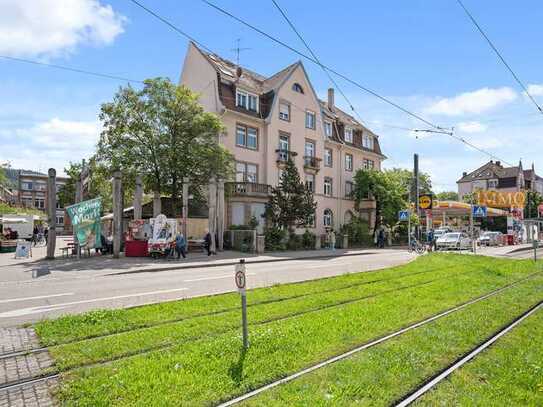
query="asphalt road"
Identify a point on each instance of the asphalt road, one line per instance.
(23, 299)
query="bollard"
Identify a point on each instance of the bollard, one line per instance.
(241, 283)
(40, 271)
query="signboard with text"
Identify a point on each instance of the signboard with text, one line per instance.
(426, 201)
(496, 199)
(85, 218)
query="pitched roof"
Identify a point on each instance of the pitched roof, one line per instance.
(492, 170)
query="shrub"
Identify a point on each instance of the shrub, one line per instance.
(294, 242)
(308, 240)
(275, 238)
(358, 232)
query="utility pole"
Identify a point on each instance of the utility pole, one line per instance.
(51, 212)
(417, 189)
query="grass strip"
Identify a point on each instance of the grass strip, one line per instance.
(383, 374)
(133, 342)
(215, 369)
(71, 328)
(508, 373)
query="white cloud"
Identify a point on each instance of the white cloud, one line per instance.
(478, 101)
(43, 28)
(471, 127)
(535, 89)
(53, 143)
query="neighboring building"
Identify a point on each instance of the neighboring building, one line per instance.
(268, 121)
(29, 190)
(494, 176)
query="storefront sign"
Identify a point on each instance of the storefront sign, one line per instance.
(425, 201)
(495, 199)
(85, 218)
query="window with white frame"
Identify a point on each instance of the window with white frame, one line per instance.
(367, 141)
(39, 203)
(328, 218)
(246, 100)
(348, 162)
(310, 182)
(492, 183)
(328, 186)
(348, 135)
(310, 119)
(368, 164)
(284, 111)
(246, 137)
(328, 158)
(328, 129)
(246, 172)
(349, 189)
(60, 220)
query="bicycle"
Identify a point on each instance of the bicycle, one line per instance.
(416, 246)
(39, 240)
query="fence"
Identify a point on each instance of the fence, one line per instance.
(240, 240)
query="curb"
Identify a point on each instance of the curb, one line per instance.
(233, 263)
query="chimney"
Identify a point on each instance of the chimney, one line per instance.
(331, 98)
(464, 174)
(499, 163)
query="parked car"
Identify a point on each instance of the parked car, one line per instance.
(455, 240)
(490, 239)
(440, 232)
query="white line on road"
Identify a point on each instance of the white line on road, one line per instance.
(230, 275)
(50, 307)
(34, 298)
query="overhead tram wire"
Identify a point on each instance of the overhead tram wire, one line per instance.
(502, 59)
(67, 68)
(307, 57)
(329, 69)
(330, 77)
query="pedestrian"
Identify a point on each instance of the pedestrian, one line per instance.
(46, 234)
(207, 242)
(35, 232)
(381, 238)
(180, 245)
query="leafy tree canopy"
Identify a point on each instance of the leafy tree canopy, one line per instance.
(447, 196)
(291, 204)
(533, 200)
(162, 133)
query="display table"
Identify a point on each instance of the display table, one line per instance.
(136, 248)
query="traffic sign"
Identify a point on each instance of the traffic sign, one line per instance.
(240, 283)
(479, 211)
(403, 216)
(240, 278)
(426, 201)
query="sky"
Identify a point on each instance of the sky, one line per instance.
(424, 55)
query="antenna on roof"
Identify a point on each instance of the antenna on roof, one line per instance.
(237, 50)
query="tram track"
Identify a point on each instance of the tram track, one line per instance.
(56, 374)
(434, 380)
(22, 352)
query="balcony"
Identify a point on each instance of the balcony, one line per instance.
(247, 189)
(312, 163)
(284, 155)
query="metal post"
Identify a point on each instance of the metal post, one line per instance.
(472, 230)
(241, 284)
(117, 214)
(78, 198)
(417, 187)
(212, 218)
(535, 244)
(51, 213)
(138, 198)
(220, 214)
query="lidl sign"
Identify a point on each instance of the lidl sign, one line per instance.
(425, 201)
(495, 199)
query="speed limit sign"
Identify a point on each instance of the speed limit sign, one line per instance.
(240, 277)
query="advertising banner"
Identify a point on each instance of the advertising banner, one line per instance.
(85, 218)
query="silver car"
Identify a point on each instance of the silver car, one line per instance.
(454, 241)
(490, 239)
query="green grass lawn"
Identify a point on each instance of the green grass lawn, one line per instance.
(509, 373)
(199, 368)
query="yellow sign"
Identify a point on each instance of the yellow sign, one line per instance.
(495, 199)
(425, 202)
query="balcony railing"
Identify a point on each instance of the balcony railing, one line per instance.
(284, 155)
(312, 162)
(247, 189)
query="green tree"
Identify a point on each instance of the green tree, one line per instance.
(162, 133)
(405, 178)
(3, 177)
(291, 204)
(447, 196)
(533, 200)
(387, 188)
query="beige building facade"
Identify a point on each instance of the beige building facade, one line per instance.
(269, 120)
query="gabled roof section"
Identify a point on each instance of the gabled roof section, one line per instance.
(491, 170)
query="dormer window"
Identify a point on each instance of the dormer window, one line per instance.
(348, 135)
(297, 88)
(328, 129)
(367, 141)
(246, 100)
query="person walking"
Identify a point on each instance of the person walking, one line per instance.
(180, 245)
(35, 232)
(207, 242)
(381, 238)
(46, 234)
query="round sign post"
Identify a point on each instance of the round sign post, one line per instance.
(240, 284)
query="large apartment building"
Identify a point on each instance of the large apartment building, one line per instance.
(271, 119)
(494, 176)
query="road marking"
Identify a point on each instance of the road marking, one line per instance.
(34, 298)
(230, 275)
(52, 307)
